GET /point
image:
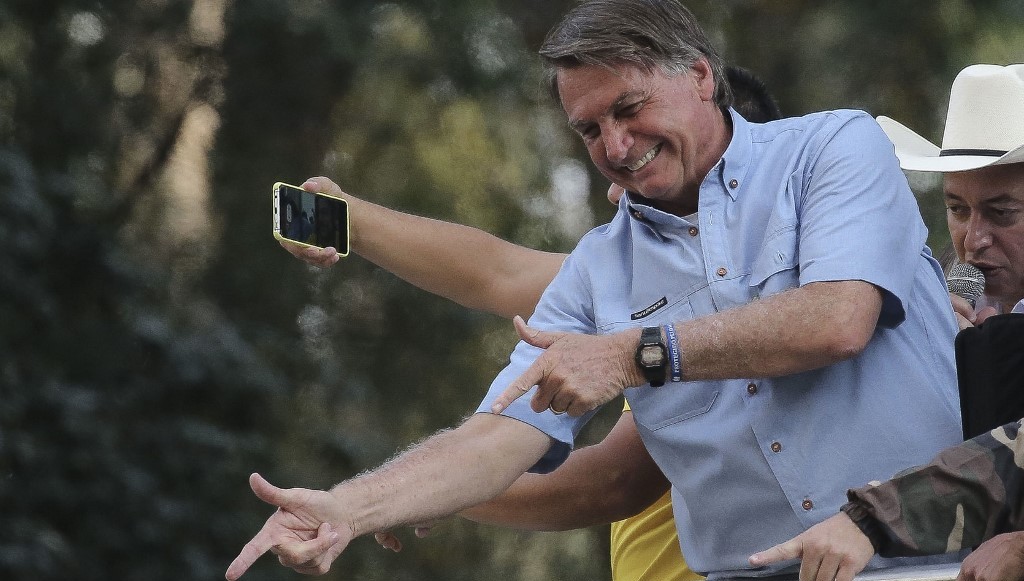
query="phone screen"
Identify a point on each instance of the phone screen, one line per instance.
(311, 219)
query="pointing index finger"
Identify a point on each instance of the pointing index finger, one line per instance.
(517, 389)
(252, 551)
(791, 549)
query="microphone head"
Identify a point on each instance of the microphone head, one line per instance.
(965, 280)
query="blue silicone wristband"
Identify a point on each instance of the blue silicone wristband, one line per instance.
(675, 361)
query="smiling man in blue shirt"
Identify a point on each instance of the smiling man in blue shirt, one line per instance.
(812, 329)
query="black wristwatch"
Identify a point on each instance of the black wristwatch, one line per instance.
(652, 356)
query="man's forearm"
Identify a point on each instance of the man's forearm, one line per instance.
(606, 482)
(464, 264)
(798, 330)
(444, 474)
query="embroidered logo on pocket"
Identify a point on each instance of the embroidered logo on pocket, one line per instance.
(645, 312)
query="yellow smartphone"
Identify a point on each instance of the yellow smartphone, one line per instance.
(309, 219)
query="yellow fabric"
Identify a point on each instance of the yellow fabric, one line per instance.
(646, 548)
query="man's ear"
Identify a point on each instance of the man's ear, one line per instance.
(703, 78)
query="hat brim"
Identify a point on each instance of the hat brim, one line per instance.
(918, 154)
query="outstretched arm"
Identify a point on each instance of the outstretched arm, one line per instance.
(464, 264)
(606, 482)
(446, 473)
(609, 481)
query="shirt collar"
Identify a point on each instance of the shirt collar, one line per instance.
(732, 168)
(729, 170)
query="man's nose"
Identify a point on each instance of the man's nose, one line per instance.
(978, 235)
(617, 143)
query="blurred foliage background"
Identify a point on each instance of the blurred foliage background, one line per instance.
(157, 346)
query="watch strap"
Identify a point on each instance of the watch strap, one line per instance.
(650, 337)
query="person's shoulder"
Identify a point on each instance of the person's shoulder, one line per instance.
(848, 119)
(609, 230)
(599, 237)
(819, 121)
(839, 126)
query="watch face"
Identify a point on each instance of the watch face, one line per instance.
(652, 356)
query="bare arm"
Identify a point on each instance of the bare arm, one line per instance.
(464, 264)
(446, 473)
(805, 328)
(606, 482)
(801, 329)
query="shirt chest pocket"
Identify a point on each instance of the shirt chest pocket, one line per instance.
(655, 408)
(777, 267)
(665, 310)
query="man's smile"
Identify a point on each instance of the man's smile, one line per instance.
(640, 163)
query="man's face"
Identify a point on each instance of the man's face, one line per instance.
(985, 213)
(655, 134)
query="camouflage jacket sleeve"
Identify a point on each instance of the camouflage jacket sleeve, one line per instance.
(966, 495)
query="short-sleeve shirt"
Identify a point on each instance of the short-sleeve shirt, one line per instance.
(754, 461)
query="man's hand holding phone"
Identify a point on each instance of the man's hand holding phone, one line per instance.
(312, 221)
(319, 257)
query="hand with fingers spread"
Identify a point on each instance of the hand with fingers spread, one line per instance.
(832, 550)
(306, 532)
(576, 373)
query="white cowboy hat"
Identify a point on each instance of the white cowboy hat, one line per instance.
(984, 124)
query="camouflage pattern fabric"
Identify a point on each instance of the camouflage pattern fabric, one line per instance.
(966, 495)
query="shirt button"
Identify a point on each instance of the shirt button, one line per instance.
(693, 230)
(734, 184)
(722, 271)
(638, 214)
(752, 388)
(777, 447)
(807, 504)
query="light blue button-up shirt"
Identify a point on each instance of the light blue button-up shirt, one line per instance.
(754, 461)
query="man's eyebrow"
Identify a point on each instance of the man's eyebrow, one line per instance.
(1000, 199)
(631, 94)
(578, 125)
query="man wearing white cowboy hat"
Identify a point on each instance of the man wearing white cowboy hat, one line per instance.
(972, 493)
(982, 159)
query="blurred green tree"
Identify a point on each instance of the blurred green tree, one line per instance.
(156, 345)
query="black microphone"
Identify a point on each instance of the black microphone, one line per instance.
(965, 280)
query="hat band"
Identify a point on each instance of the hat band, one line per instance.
(978, 152)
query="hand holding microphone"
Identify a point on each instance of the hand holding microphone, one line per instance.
(966, 283)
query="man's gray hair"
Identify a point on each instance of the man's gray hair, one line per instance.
(646, 33)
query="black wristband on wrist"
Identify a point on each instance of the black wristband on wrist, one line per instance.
(866, 523)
